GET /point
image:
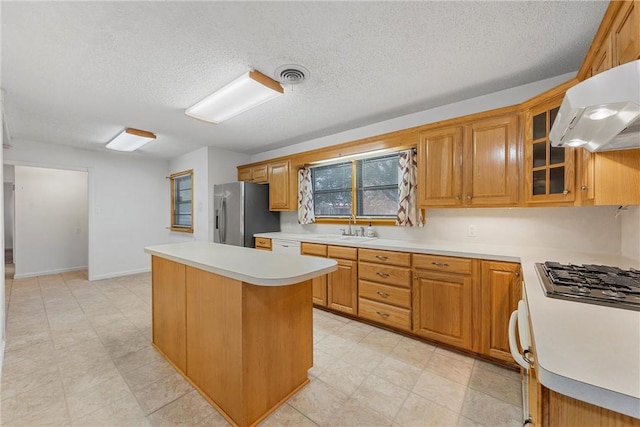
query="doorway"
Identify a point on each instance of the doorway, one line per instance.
(50, 221)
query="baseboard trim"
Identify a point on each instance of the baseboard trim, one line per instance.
(47, 272)
(118, 274)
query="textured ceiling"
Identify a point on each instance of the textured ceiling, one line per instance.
(77, 73)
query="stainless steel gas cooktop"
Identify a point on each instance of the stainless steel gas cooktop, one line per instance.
(594, 284)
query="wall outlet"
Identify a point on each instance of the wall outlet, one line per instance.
(471, 230)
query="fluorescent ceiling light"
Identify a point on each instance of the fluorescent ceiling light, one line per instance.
(247, 91)
(130, 139)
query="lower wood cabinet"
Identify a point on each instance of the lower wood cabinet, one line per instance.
(168, 308)
(442, 307)
(443, 290)
(319, 284)
(342, 284)
(263, 243)
(501, 289)
(384, 287)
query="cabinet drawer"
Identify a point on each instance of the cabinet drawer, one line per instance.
(442, 263)
(342, 252)
(263, 243)
(398, 276)
(385, 294)
(384, 313)
(313, 249)
(385, 257)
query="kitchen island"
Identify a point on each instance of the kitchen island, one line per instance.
(236, 322)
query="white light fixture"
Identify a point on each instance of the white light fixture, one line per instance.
(601, 113)
(575, 143)
(130, 139)
(247, 91)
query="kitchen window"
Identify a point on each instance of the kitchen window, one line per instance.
(182, 201)
(366, 188)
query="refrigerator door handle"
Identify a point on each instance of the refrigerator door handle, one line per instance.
(223, 221)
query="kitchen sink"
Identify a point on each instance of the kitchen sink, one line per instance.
(341, 238)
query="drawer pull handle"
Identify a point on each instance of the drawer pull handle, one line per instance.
(382, 257)
(385, 275)
(440, 264)
(383, 314)
(382, 294)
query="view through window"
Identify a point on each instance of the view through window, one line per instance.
(182, 201)
(372, 183)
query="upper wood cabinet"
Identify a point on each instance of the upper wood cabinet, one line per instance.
(490, 162)
(257, 174)
(475, 164)
(282, 186)
(440, 167)
(625, 33)
(549, 172)
(617, 40)
(604, 58)
(609, 178)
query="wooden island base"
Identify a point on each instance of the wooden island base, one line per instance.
(245, 348)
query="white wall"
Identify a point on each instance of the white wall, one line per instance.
(210, 166)
(589, 229)
(630, 219)
(51, 208)
(8, 215)
(196, 160)
(3, 334)
(9, 178)
(128, 202)
(491, 101)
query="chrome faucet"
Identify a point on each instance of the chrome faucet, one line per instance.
(350, 233)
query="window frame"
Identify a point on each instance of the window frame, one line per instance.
(374, 220)
(174, 204)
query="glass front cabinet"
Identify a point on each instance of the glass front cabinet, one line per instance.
(549, 171)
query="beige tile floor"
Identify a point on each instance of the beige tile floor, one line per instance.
(78, 353)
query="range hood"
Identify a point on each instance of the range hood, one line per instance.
(601, 113)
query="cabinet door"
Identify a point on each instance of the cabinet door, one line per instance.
(169, 310)
(319, 285)
(244, 174)
(491, 162)
(549, 171)
(342, 287)
(586, 176)
(442, 308)
(603, 59)
(440, 167)
(625, 33)
(501, 291)
(282, 197)
(260, 174)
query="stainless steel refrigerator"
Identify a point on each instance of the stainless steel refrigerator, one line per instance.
(241, 210)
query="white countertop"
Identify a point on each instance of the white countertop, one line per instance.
(253, 266)
(586, 351)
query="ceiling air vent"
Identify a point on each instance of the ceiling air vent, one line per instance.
(291, 74)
